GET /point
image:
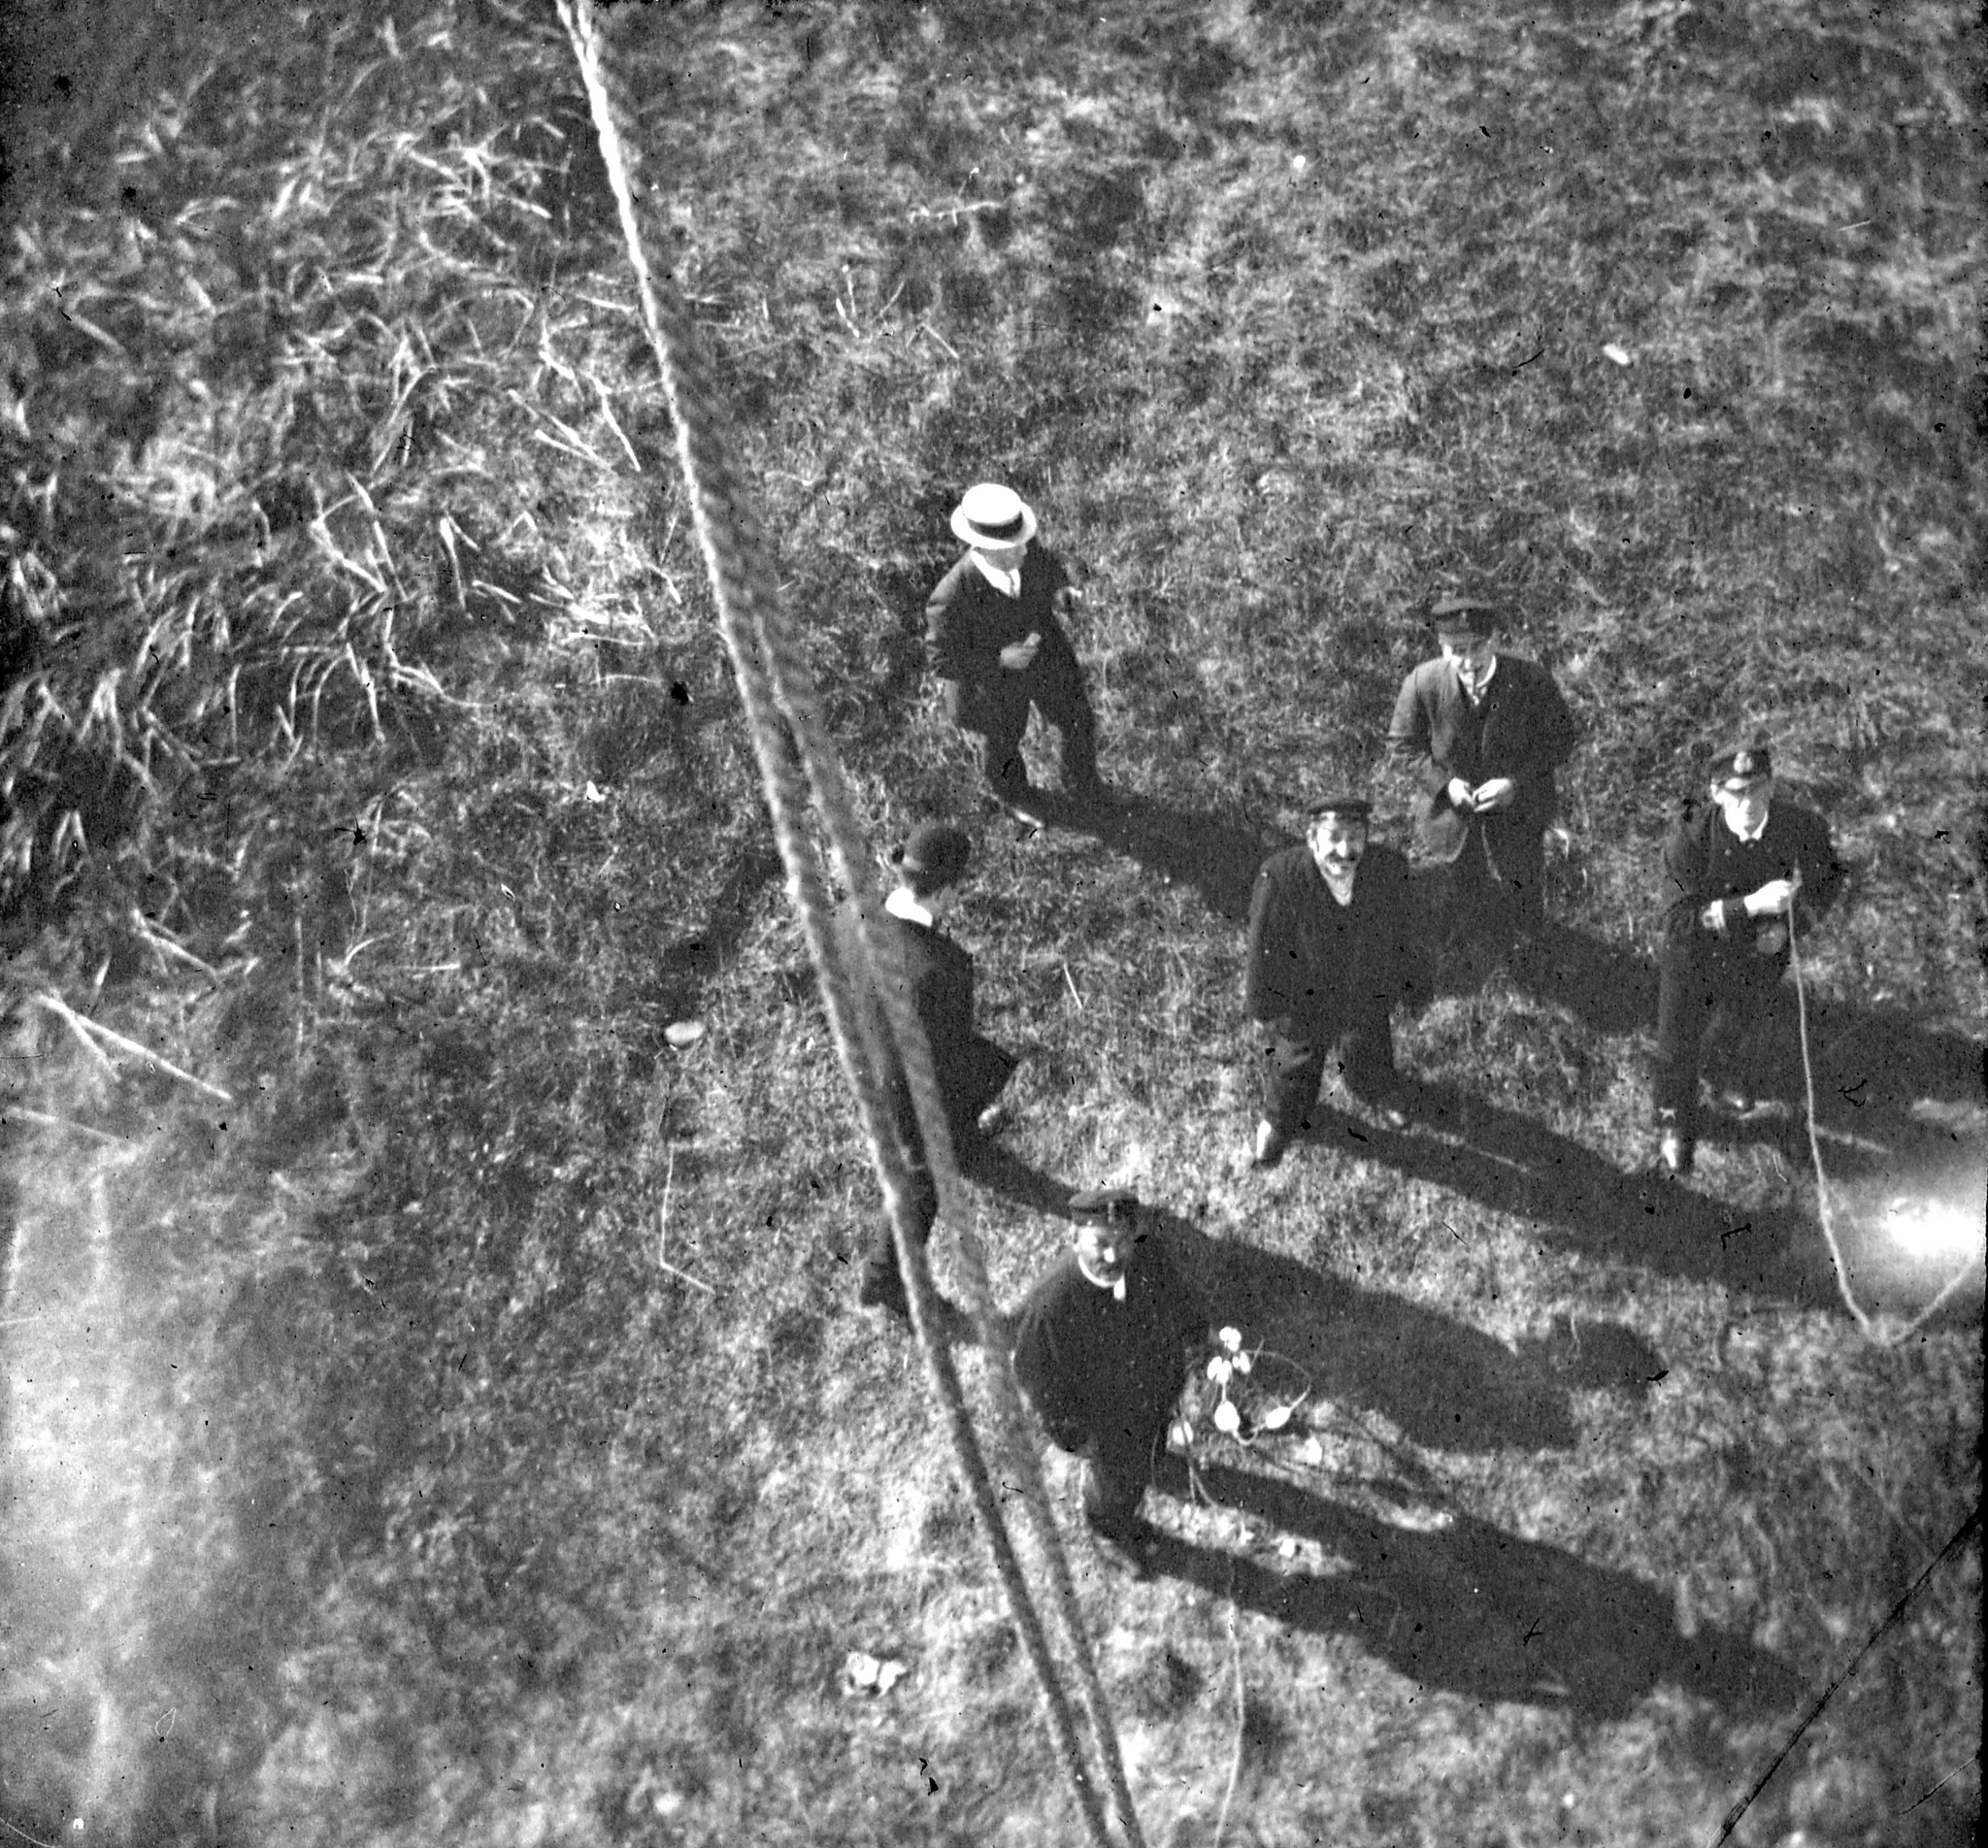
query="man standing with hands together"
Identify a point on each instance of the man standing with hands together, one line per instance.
(1483, 732)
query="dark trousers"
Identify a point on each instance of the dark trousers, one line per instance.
(1360, 1047)
(999, 711)
(975, 1079)
(1492, 900)
(1115, 1475)
(1728, 1011)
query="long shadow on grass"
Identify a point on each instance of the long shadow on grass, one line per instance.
(1215, 854)
(1882, 1076)
(1441, 1383)
(1474, 1609)
(1574, 1197)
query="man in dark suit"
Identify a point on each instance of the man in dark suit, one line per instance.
(1102, 1349)
(1743, 875)
(1332, 947)
(992, 632)
(1483, 733)
(936, 975)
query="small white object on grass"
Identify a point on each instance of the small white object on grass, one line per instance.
(1619, 354)
(870, 1674)
(684, 1034)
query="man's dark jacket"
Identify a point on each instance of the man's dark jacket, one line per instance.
(968, 622)
(939, 975)
(1521, 729)
(1315, 966)
(1102, 1375)
(1706, 863)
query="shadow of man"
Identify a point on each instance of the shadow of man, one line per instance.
(1464, 1605)
(1445, 1598)
(1218, 855)
(1566, 1193)
(1438, 1381)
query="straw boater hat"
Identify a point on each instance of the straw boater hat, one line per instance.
(991, 514)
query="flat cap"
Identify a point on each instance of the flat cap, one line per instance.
(1104, 1203)
(937, 853)
(1463, 616)
(1739, 762)
(1353, 807)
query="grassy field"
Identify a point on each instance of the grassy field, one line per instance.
(434, 1408)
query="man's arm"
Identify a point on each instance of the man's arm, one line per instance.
(1410, 735)
(1822, 872)
(1684, 860)
(1405, 971)
(1555, 730)
(948, 639)
(1044, 1374)
(1269, 970)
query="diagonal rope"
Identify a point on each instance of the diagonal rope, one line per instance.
(797, 760)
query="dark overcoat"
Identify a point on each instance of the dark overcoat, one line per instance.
(1522, 730)
(968, 622)
(1316, 967)
(1706, 863)
(937, 976)
(1102, 1375)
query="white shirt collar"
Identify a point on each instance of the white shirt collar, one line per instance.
(1007, 583)
(1116, 1285)
(1476, 692)
(1727, 821)
(901, 903)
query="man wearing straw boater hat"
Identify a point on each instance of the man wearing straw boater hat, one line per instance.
(1332, 946)
(1483, 733)
(1744, 873)
(938, 977)
(1102, 1349)
(993, 634)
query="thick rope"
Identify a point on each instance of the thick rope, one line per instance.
(775, 686)
(1869, 1325)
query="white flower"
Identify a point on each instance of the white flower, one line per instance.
(1232, 1339)
(1276, 1418)
(1218, 1371)
(1244, 1363)
(1227, 1418)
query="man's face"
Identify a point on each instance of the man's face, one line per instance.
(1743, 800)
(1471, 656)
(1336, 844)
(1103, 1247)
(1004, 558)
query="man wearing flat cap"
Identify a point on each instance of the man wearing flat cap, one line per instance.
(936, 975)
(992, 632)
(1483, 733)
(1332, 948)
(1103, 1346)
(1743, 875)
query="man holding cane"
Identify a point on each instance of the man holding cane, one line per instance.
(1742, 872)
(1483, 733)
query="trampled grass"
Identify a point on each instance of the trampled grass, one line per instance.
(462, 1432)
